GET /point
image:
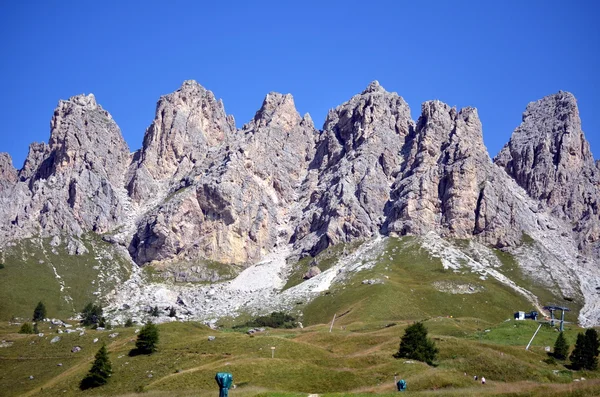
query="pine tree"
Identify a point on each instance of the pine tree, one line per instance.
(561, 347)
(415, 345)
(39, 314)
(172, 312)
(587, 348)
(26, 329)
(578, 355)
(592, 348)
(35, 328)
(147, 340)
(129, 323)
(100, 371)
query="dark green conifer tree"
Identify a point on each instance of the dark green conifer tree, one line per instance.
(578, 356)
(100, 371)
(39, 314)
(147, 340)
(415, 345)
(592, 348)
(91, 315)
(561, 347)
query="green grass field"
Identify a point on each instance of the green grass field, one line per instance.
(355, 358)
(34, 271)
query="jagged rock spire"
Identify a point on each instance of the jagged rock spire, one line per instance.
(187, 123)
(8, 173)
(550, 158)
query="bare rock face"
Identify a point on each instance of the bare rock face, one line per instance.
(444, 163)
(74, 183)
(38, 153)
(448, 185)
(550, 158)
(188, 123)
(8, 173)
(237, 204)
(200, 190)
(312, 272)
(358, 157)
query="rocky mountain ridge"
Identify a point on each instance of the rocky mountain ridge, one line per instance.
(199, 190)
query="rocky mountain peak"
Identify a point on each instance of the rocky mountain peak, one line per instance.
(358, 156)
(86, 101)
(548, 152)
(82, 132)
(550, 158)
(187, 123)
(74, 183)
(278, 110)
(369, 118)
(374, 86)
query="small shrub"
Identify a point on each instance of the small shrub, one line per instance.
(172, 312)
(92, 315)
(154, 312)
(129, 323)
(550, 360)
(26, 328)
(1, 265)
(273, 320)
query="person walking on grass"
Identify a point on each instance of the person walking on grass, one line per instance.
(483, 380)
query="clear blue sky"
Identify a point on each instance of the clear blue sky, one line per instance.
(493, 55)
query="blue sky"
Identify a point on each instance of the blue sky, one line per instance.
(493, 55)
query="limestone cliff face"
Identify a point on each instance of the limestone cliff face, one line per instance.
(73, 183)
(200, 189)
(550, 158)
(238, 201)
(447, 183)
(443, 165)
(357, 159)
(188, 123)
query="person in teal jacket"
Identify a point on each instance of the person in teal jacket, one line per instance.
(401, 385)
(224, 380)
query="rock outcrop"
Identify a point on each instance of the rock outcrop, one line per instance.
(188, 124)
(357, 159)
(201, 190)
(8, 173)
(236, 206)
(75, 182)
(550, 158)
(448, 185)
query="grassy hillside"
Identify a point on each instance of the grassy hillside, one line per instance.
(414, 286)
(34, 270)
(355, 359)
(468, 316)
